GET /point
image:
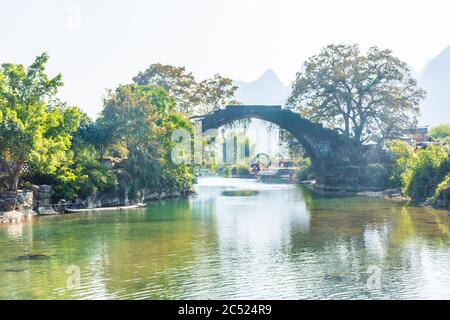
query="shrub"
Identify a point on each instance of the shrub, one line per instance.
(401, 152)
(305, 170)
(242, 171)
(223, 170)
(81, 176)
(440, 133)
(442, 194)
(425, 171)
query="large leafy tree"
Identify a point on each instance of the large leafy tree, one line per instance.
(93, 133)
(366, 96)
(180, 85)
(216, 92)
(82, 174)
(190, 96)
(35, 128)
(142, 119)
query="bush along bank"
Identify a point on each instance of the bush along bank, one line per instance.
(58, 155)
(423, 174)
(234, 171)
(420, 176)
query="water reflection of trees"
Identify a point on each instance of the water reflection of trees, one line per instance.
(353, 216)
(347, 235)
(149, 253)
(159, 259)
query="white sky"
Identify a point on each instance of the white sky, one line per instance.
(236, 38)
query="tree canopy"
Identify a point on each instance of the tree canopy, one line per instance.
(441, 133)
(368, 96)
(178, 83)
(190, 96)
(35, 127)
(141, 119)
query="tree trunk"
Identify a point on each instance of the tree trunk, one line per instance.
(12, 177)
(13, 182)
(347, 125)
(358, 134)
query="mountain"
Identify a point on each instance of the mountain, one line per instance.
(266, 90)
(435, 79)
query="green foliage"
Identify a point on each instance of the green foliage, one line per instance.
(216, 92)
(81, 176)
(191, 97)
(141, 119)
(440, 133)
(48, 142)
(223, 170)
(294, 147)
(401, 152)
(178, 83)
(92, 134)
(236, 171)
(442, 190)
(305, 170)
(425, 171)
(366, 96)
(241, 171)
(35, 128)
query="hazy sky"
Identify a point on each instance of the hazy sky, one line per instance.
(113, 40)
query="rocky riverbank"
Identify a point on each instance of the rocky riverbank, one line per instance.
(16, 207)
(334, 190)
(15, 217)
(22, 206)
(442, 201)
(391, 194)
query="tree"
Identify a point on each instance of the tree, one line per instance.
(93, 133)
(441, 133)
(178, 83)
(216, 92)
(191, 97)
(425, 171)
(365, 96)
(401, 153)
(35, 128)
(81, 174)
(142, 120)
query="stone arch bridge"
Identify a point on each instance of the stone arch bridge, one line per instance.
(334, 157)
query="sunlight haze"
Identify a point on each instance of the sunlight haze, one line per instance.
(114, 40)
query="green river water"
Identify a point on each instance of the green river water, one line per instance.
(235, 239)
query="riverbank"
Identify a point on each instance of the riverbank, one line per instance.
(89, 210)
(27, 215)
(334, 190)
(389, 194)
(15, 217)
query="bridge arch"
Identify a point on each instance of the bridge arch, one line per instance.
(328, 150)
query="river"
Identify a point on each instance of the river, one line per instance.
(235, 239)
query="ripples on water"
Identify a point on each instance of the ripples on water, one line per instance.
(277, 242)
